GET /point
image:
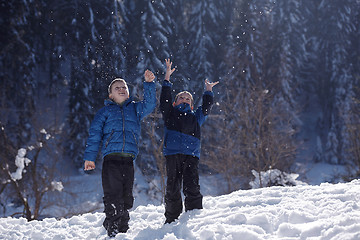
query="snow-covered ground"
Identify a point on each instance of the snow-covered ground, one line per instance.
(326, 211)
(317, 211)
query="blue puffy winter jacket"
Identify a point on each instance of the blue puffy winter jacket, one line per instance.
(117, 127)
(182, 124)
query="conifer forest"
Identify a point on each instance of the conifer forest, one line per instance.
(289, 73)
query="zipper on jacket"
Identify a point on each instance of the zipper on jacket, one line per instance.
(122, 114)
(135, 138)
(107, 142)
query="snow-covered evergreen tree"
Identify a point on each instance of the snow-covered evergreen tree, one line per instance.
(131, 13)
(18, 66)
(350, 99)
(80, 101)
(288, 51)
(177, 43)
(203, 39)
(80, 111)
(330, 25)
(154, 34)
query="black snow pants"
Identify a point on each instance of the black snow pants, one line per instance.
(117, 182)
(181, 170)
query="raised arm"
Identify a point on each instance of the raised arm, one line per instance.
(169, 71)
(165, 96)
(208, 97)
(210, 85)
(148, 104)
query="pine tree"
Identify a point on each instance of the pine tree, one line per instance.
(177, 43)
(225, 12)
(154, 35)
(348, 90)
(106, 46)
(203, 41)
(330, 27)
(80, 101)
(289, 51)
(18, 64)
(132, 11)
(80, 111)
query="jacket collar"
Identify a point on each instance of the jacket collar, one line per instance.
(183, 107)
(111, 102)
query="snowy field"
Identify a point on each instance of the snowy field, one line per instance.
(326, 211)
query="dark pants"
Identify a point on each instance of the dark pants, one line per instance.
(117, 181)
(181, 170)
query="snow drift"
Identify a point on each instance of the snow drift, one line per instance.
(327, 211)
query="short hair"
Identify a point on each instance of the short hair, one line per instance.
(191, 97)
(114, 81)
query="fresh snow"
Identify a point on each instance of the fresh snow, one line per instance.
(325, 211)
(20, 161)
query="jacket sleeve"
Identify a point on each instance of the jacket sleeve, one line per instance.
(204, 109)
(166, 99)
(148, 104)
(208, 100)
(95, 136)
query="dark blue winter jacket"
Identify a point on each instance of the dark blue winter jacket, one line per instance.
(182, 125)
(117, 127)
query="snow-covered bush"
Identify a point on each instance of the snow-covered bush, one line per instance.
(255, 130)
(28, 177)
(274, 177)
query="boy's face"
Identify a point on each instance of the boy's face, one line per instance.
(119, 92)
(183, 98)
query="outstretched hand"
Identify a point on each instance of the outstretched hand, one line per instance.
(149, 76)
(169, 71)
(210, 85)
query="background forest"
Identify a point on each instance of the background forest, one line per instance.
(289, 73)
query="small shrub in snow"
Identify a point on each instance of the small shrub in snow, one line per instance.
(274, 177)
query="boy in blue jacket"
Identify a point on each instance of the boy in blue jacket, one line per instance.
(182, 145)
(116, 129)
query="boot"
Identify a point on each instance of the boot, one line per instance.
(116, 220)
(123, 224)
(111, 220)
(168, 220)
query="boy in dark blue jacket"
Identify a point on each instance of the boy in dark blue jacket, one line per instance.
(182, 145)
(116, 129)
